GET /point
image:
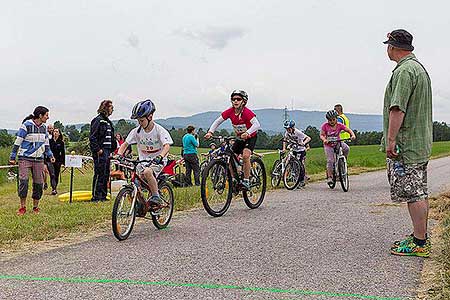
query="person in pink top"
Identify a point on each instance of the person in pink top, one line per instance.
(245, 125)
(331, 131)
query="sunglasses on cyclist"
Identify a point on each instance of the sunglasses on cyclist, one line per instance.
(236, 99)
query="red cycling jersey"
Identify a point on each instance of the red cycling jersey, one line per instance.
(240, 122)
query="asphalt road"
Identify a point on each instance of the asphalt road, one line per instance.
(314, 243)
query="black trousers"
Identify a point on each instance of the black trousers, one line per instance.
(192, 164)
(57, 168)
(51, 173)
(101, 175)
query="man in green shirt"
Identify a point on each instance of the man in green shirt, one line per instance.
(407, 131)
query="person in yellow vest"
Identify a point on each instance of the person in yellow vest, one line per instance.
(342, 119)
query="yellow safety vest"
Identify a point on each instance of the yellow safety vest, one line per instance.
(346, 122)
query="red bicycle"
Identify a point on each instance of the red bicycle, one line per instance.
(131, 201)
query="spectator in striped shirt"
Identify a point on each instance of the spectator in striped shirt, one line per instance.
(32, 147)
(102, 143)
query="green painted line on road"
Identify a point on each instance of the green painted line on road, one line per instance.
(195, 285)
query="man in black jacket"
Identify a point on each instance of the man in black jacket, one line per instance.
(102, 144)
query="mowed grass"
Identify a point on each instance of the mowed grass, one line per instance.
(57, 219)
(437, 268)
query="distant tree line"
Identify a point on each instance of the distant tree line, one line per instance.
(441, 132)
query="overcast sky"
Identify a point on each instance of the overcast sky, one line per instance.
(188, 55)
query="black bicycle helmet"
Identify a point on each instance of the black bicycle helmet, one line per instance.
(331, 114)
(241, 93)
(143, 109)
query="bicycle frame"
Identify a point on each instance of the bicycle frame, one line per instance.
(338, 153)
(290, 155)
(229, 157)
(136, 182)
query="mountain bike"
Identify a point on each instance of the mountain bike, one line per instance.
(222, 177)
(288, 167)
(340, 165)
(131, 201)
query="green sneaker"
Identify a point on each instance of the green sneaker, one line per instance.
(409, 239)
(407, 247)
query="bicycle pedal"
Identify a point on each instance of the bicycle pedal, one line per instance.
(156, 213)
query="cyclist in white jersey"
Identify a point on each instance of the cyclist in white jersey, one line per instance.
(296, 135)
(153, 143)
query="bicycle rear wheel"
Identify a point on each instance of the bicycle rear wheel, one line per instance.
(258, 181)
(343, 173)
(292, 173)
(216, 187)
(123, 214)
(275, 175)
(162, 219)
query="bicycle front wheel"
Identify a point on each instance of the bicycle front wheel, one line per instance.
(162, 219)
(123, 214)
(292, 174)
(275, 175)
(203, 166)
(216, 188)
(343, 173)
(258, 181)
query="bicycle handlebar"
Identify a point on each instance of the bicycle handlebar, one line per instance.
(224, 138)
(335, 140)
(292, 142)
(135, 162)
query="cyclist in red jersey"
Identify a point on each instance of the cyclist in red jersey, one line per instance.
(245, 125)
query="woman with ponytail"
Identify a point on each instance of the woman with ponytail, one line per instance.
(31, 147)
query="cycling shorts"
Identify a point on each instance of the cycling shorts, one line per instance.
(157, 168)
(239, 145)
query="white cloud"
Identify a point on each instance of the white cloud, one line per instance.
(60, 55)
(213, 37)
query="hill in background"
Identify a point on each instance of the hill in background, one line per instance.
(272, 120)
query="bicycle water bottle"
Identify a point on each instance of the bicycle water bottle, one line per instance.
(399, 169)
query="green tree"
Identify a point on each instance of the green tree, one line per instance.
(85, 127)
(314, 134)
(262, 141)
(6, 140)
(124, 127)
(441, 131)
(72, 132)
(59, 125)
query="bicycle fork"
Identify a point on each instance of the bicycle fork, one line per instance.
(135, 193)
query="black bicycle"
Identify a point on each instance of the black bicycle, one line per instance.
(340, 165)
(222, 177)
(130, 202)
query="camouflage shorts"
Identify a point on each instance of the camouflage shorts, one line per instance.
(410, 186)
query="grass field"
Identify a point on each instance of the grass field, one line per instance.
(58, 219)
